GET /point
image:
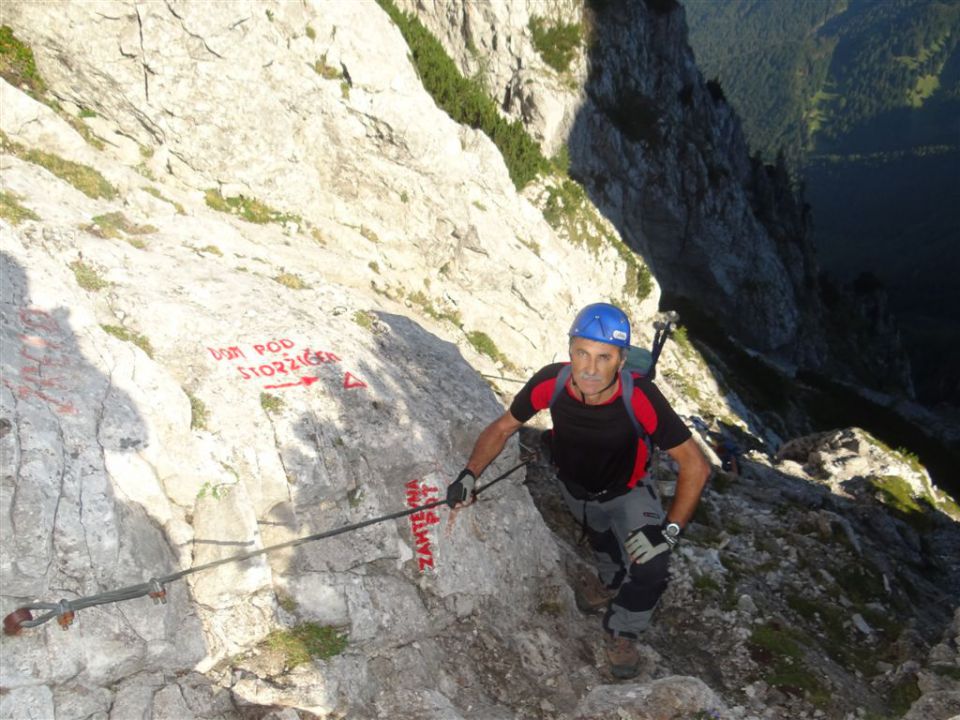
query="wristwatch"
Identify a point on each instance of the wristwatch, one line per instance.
(672, 532)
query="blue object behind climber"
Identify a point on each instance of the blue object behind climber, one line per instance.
(728, 453)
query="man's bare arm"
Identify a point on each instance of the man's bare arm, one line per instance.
(693, 475)
(491, 442)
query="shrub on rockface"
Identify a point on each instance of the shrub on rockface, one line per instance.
(557, 44)
(17, 65)
(465, 99)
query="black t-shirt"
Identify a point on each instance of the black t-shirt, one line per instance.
(595, 447)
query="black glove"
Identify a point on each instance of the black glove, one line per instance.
(461, 489)
(644, 544)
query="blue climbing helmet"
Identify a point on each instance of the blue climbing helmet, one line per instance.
(604, 323)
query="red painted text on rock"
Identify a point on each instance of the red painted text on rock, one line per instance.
(41, 357)
(281, 361)
(420, 493)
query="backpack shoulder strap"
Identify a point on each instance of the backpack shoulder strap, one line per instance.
(562, 378)
(626, 383)
(626, 388)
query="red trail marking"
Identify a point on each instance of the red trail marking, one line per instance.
(306, 380)
(351, 381)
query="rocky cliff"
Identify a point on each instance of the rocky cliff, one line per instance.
(253, 279)
(660, 156)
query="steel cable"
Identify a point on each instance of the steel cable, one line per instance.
(64, 610)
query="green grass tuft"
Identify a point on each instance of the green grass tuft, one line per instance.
(292, 281)
(87, 277)
(484, 344)
(426, 304)
(680, 337)
(774, 639)
(83, 178)
(159, 196)
(779, 655)
(364, 319)
(305, 642)
(83, 130)
(327, 72)
(131, 336)
(198, 413)
(286, 602)
(271, 403)
(12, 211)
(17, 64)
(897, 494)
(215, 490)
(561, 161)
(116, 225)
(911, 459)
(250, 209)
(705, 583)
(902, 696)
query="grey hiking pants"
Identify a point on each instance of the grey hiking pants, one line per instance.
(607, 524)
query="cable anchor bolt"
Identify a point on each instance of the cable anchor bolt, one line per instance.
(65, 614)
(157, 592)
(12, 622)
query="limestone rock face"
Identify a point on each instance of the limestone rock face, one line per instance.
(376, 197)
(672, 697)
(251, 281)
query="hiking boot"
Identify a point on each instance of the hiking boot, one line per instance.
(623, 656)
(592, 596)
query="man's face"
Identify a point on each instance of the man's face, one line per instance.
(594, 364)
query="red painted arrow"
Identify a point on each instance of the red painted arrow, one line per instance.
(350, 381)
(306, 380)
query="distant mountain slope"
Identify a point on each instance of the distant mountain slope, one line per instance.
(864, 98)
(769, 59)
(833, 75)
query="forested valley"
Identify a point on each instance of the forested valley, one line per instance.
(862, 97)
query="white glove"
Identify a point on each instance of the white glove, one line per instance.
(644, 544)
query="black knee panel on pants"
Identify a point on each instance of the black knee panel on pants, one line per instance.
(646, 584)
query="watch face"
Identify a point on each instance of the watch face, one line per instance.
(672, 529)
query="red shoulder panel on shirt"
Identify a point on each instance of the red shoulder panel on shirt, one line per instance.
(541, 394)
(643, 409)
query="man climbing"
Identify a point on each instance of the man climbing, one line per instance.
(602, 448)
